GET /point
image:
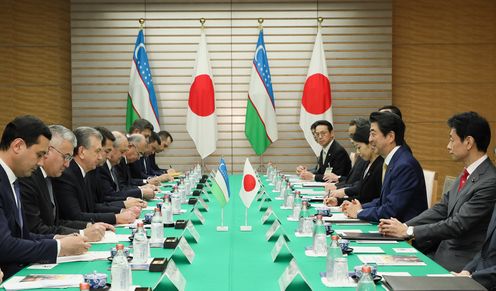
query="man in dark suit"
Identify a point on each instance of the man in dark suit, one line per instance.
(74, 190)
(40, 206)
(453, 230)
(165, 142)
(403, 193)
(482, 267)
(136, 148)
(333, 155)
(23, 145)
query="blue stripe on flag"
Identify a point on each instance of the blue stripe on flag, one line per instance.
(223, 172)
(262, 66)
(141, 60)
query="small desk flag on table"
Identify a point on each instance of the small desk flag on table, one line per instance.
(316, 101)
(220, 185)
(141, 99)
(201, 121)
(260, 122)
(249, 186)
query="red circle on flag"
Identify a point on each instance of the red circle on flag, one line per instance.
(316, 94)
(249, 182)
(201, 96)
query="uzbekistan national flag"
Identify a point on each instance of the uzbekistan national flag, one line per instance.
(260, 123)
(201, 121)
(316, 103)
(220, 185)
(250, 185)
(141, 99)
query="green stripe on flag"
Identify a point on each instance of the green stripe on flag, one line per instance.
(131, 114)
(218, 194)
(255, 130)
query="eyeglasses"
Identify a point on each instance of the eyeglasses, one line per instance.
(66, 157)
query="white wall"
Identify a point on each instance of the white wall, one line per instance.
(357, 40)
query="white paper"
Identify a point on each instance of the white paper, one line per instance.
(299, 234)
(376, 242)
(342, 231)
(86, 257)
(339, 217)
(42, 266)
(440, 275)
(313, 184)
(367, 250)
(309, 252)
(388, 260)
(58, 281)
(405, 250)
(112, 238)
(350, 283)
(312, 192)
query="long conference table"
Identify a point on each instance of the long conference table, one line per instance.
(236, 260)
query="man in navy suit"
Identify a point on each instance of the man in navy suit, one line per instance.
(403, 193)
(23, 146)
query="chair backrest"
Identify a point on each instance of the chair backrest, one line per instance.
(430, 185)
(448, 183)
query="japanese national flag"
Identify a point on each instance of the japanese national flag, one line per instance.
(249, 186)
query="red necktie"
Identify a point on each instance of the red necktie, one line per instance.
(463, 180)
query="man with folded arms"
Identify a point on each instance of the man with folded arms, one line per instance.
(74, 190)
(23, 145)
(453, 230)
(40, 206)
(403, 193)
(333, 155)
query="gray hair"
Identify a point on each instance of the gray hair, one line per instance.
(61, 133)
(83, 135)
(135, 138)
(119, 139)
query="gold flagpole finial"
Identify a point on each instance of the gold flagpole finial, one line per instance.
(202, 21)
(260, 23)
(141, 22)
(320, 20)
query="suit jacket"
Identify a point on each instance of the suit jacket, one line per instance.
(337, 158)
(137, 169)
(74, 192)
(483, 266)
(109, 188)
(369, 187)
(356, 175)
(38, 208)
(403, 193)
(459, 221)
(124, 176)
(95, 183)
(154, 169)
(19, 247)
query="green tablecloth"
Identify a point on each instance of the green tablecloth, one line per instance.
(236, 260)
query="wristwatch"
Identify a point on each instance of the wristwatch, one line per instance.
(409, 232)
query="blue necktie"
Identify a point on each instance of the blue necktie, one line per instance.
(19, 206)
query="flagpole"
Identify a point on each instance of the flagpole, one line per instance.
(245, 227)
(142, 23)
(222, 227)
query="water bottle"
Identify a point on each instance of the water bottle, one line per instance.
(297, 206)
(120, 271)
(334, 252)
(167, 211)
(319, 237)
(269, 168)
(157, 226)
(366, 283)
(182, 191)
(278, 183)
(141, 246)
(282, 189)
(290, 198)
(305, 224)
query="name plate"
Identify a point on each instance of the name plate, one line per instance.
(267, 214)
(175, 276)
(289, 275)
(203, 203)
(280, 244)
(190, 227)
(272, 230)
(261, 205)
(186, 249)
(199, 215)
